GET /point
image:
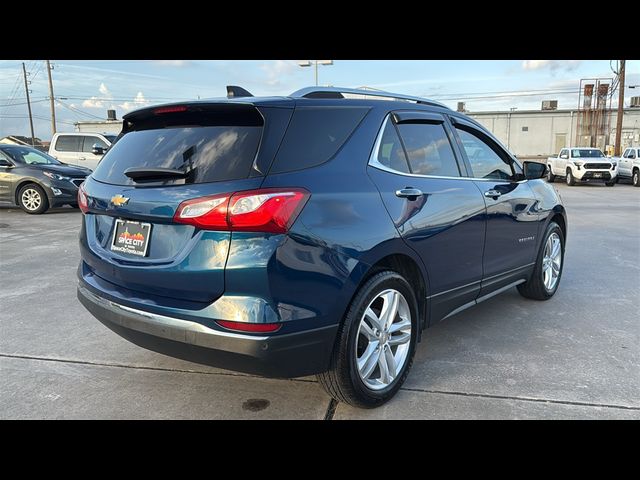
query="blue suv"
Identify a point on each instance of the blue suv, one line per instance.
(318, 233)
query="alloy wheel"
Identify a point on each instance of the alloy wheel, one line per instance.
(551, 262)
(383, 339)
(31, 199)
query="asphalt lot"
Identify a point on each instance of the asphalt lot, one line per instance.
(575, 356)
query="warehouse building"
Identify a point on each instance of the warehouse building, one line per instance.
(542, 133)
(110, 125)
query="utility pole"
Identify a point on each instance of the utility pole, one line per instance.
(616, 152)
(26, 88)
(53, 104)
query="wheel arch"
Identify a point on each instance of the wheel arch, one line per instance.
(26, 181)
(397, 256)
(559, 216)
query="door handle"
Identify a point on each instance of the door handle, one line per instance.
(82, 158)
(492, 193)
(409, 193)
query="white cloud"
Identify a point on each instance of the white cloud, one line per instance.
(93, 102)
(278, 69)
(104, 90)
(138, 102)
(553, 65)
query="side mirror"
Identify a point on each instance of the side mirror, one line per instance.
(97, 149)
(533, 170)
(565, 156)
(6, 163)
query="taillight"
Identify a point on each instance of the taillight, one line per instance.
(204, 212)
(250, 327)
(83, 202)
(271, 210)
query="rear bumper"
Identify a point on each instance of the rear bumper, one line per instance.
(285, 356)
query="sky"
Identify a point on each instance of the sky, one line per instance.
(84, 90)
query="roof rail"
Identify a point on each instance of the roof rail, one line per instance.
(315, 91)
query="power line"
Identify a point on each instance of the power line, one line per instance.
(39, 117)
(78, 111)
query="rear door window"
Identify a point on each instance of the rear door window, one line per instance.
(428, 149)
(390, 151)
(206, 154)
(69, 143)
(315, 135)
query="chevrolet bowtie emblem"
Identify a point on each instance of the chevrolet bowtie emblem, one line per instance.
(119, 200)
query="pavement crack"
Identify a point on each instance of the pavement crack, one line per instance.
(331, 409)
(524, 399)
(136, 367)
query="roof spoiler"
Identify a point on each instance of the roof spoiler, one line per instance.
(234, 91)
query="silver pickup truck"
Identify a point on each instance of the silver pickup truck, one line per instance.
(582, 165)
(629, 165)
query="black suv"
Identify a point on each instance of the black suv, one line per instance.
(309, 234)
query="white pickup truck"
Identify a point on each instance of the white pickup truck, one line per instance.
(629, 165)
(582, 165)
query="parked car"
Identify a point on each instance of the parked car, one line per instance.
(582, 165)
(81, 149)
(36, 181)
(310, 234)
(629, 165)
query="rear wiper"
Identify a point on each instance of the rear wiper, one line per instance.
(143, 173)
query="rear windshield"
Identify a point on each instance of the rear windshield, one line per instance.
(208, 154)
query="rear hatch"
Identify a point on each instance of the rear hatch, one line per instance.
(165, 156)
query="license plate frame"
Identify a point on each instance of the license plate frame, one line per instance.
(130, 246)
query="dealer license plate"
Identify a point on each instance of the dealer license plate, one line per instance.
(131, 237)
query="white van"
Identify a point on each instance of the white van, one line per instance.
(81, 149)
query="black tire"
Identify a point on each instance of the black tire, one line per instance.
(611, 183)
(570, 180)
(74, 205)
(635, 178)
(342, 381)
(535, 288)
(550, 176)
(44, 201)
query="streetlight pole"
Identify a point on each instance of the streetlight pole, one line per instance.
(315, 63)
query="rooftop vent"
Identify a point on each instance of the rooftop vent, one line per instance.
(635, 102)
(111, 115)
(549, 104)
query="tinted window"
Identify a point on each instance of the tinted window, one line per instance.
(586, 152)
(89, 142)
(69, 143)
(485, 162)
(207, 154)
(390, 152)
(314, 136)
(428, 149)
(111, 138)
(564, 152)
